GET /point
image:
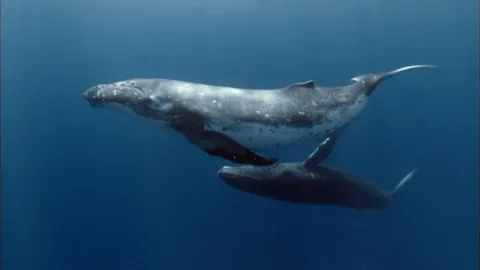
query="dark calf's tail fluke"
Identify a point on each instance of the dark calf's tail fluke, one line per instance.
(402, 182)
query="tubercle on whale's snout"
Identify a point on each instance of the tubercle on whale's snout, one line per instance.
(91, 95)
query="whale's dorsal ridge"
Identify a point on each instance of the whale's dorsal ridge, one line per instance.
(307, 84)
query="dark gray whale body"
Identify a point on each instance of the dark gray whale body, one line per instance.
(309, 182)
(233, 123)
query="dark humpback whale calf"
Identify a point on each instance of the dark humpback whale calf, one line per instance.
(310, 182)
(234, 123)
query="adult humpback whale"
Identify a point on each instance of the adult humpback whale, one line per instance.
(231, 122)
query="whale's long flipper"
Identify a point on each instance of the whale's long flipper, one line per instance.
(371, 81)
(217, 144)
(402, 69)
(377, 77)
(402, 182)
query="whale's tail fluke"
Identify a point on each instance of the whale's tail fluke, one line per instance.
(371, 81)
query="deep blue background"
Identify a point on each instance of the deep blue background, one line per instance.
(93, 189)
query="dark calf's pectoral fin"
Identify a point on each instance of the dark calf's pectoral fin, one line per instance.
(217, 144)
(324, 149)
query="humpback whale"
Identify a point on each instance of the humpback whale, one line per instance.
(234, 123)
(310, 182)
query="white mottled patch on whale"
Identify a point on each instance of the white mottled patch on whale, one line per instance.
(260, 136)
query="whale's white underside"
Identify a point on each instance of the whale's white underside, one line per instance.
(258, 136)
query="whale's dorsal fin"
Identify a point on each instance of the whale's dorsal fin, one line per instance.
(308, 84)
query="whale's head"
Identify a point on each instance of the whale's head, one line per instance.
(114, 94)
(251, 178)
(242, 175)
(124, 96)
(132, 97)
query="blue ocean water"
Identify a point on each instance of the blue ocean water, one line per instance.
(92, 189)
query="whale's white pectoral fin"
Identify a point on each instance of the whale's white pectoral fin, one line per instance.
(384, 75)
(393, 72)
(402, 69)
(308, 84)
